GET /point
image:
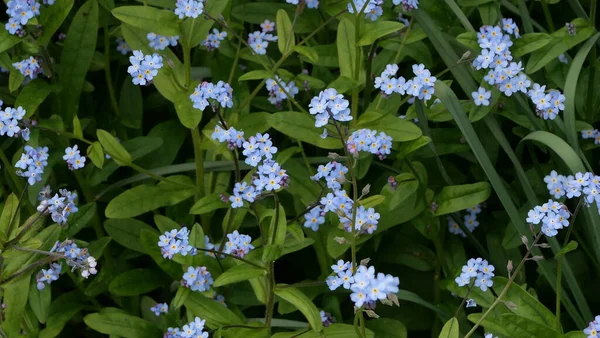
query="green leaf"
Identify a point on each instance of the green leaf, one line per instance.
(561, 42)
(469, 40)
(96, 154)
(188, 115)
(7, 40)
(180, 296)
(387, 328)
(135, 282)
(309, 52)
(450, 329)
(271, 252)
(207, 204)
(285, 35)
(511, 325)
(346, 47)
(571, 246)
(460, 197)
(259, 74)
(15, 79)
(301, 127)
(399, 129)
(122, 325)
(332, 331)
(77, 131)
(15, 298)
(131, 105)
(127, 232)
(239, 273)
(526, 305)
(149, 240)
(62, 310)
(113, 147)
(79, 47)
(146, 197)
(278, 227)
(529, 43)
(150, 19)
(39, 300)
(10, 213)
(376, 30)
(302, 303)
(215, 314)
(571, 88)
(33, 95)
(51, 18)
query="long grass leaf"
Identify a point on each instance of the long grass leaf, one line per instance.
(571, 88)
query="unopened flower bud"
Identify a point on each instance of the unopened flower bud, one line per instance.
(371, 314)
(365, 261)
(366, 189)
(509, 266)
(537, 258)
(334, 156)
(525, 240)
(543, 245)
(511, 305)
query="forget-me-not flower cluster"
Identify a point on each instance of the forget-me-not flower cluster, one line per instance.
(160, 308)
(407, 5)
(188, 8)
(477, 268)
(213, 40)
(421, 86)
(591, 133)
(309, 3)
(9, 122)
(470, 221)
(277, 94)
(47, 276)
(30, 68)
(259, 151)
(122, 46)
(329, 104)
(144, 67)
(259, 40)
(176, 242)
(238, 245)
(193, 329)
(593, 329)
(552, 215)
(60, 206)
(366, 286)
(340, 203)
(20, 12)
(74, 159)
(197, 279)
(209, 94)
(33, 161)
(76, 257)
(370, 141)
(586, 185)
(507, 75)
(159, 42)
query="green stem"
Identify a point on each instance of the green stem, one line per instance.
(26, 269)
(216, 252)
(23, 231)
(548, 15)
(107, 75)
(8, 166)
(187, 64)
(199, 158)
